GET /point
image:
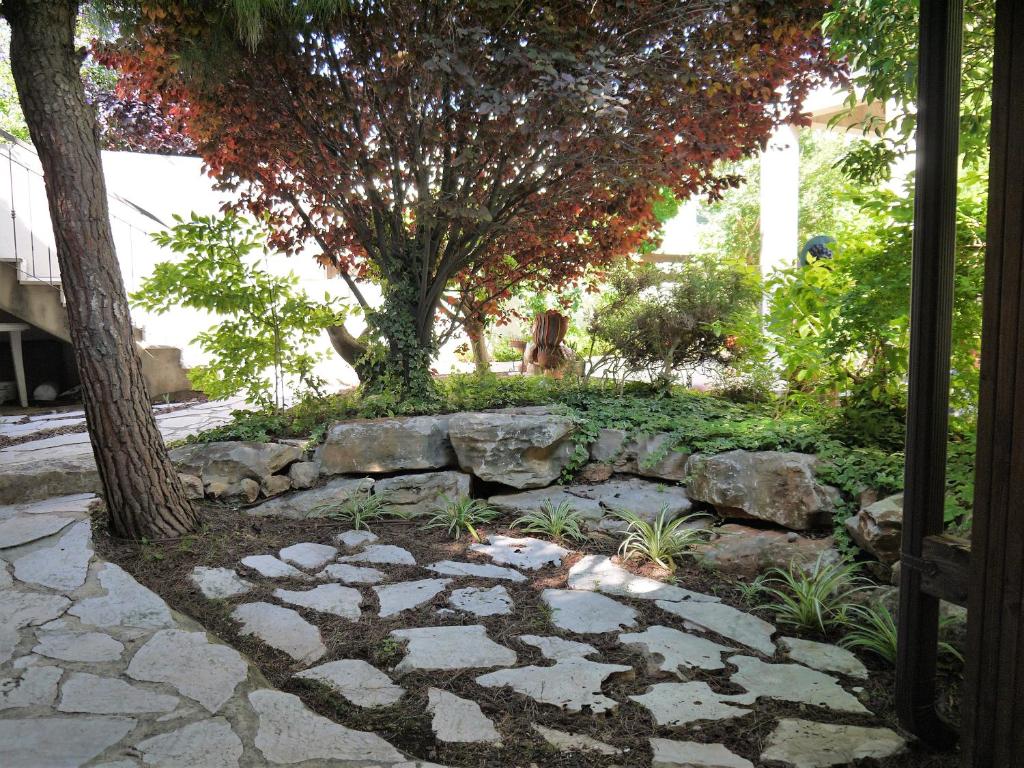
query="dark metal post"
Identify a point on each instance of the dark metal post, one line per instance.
(993, 700)
(931, 312)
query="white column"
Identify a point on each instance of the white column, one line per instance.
(780, 200)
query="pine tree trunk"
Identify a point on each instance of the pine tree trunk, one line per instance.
(144, 496)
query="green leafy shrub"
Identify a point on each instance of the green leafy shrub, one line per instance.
(660, 322)
(816, 600)
(462, 516)
(560, 521)
(871, 628)
(662, 542)
(268, 323)
(358, 510)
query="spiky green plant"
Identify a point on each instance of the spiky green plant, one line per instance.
(872, 629)
(750, 591)
(462, 516)
(817, 599)
(357, 510)
(560, 521)
(663, 541)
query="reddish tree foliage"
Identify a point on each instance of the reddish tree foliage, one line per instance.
(475, 143)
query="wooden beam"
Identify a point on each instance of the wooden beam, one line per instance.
(931, 312)
(993, 697)
(946, 568)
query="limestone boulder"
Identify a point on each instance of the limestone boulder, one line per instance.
(646, 455)
(645, 498)
(421, 494)
(776, 486)
(193, 486)
(740, 550)
(878, 528)
(521, 448)
(386, 445)
(311, 503)
(525, 502)
(229, 463)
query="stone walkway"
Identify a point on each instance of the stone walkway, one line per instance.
(96, 670)
(40, 469)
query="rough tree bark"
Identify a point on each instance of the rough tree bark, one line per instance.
(144, 495)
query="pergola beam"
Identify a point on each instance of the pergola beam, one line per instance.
(993, 700)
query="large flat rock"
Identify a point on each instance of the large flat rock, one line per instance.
(78, 646)
(58, 742)
(459, 721)
(598, 573)
(351, 574)
(742, 550)
(282, 629)
(421, 494)
(62, 566)
(219, 583)
(25, 528)
(381, 554)
(767, 485)
(325, 598)
(806, 744)
(823, 657)
(447, 648)
(44, 477)
(726, 621)
(126, 603)
(646, 498)
(525, 502)
(84, 692)
(386, 445)
(308, 555)
(395, 598)
(571, 683)
(793, 682)
(521, 448)
(678, 704)
(208, 743)
(478, 601)
(478, 570)
(289, 733)
(669, 650)
(523, 552)
(667, 753)
(232, 461)
(587, 612)
(205, 672)
(33, 687)
(357, 681)
(555, 648)
(270, 567)
(310, 503)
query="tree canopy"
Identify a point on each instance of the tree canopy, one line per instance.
(477, 142)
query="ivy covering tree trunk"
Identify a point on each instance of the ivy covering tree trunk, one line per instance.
(144, 495)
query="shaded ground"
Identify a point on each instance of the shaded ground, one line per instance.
(229, 535)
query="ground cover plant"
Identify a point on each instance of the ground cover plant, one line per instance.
(559, 521)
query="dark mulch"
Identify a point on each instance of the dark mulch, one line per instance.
(229, 535)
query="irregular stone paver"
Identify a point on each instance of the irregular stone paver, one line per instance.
(326, 598)
(36, 687)
(19, 608)
(480, 570)
(83, 692)
(73, 503)
(571, 684)
(823, 657)
(574, 742)
(525, 552)
(437, 648)
(361, 683)
(668, 650)
(682, 703)
(495, 601)
(597, 573)
(219, 583)
(204, 671)
(58, 742)
(281, 628)
(62, 566)
(272, 568)
(587, 612)
(395, 598)
(381, 554)
(459, 721)
(288, 733)
(691, 754)
(78, 646)
(209, 743)
(792, 682)
(726, 621)
(352, 574)
(308, 555)
(127, 603)
(356, 538)
(25, 528)
(805, 744)
(552, 647)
